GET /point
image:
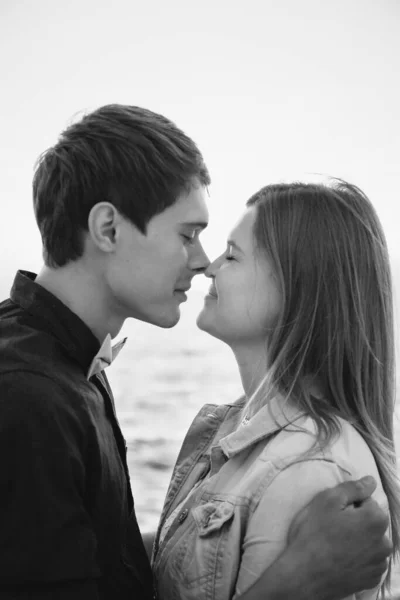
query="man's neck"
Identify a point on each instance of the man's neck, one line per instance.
(82, 292)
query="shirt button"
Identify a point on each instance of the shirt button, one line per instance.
(183, 515)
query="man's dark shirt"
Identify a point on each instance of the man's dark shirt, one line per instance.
(68, 529)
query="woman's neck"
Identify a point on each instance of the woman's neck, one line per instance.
(253, 368)
(252, 362)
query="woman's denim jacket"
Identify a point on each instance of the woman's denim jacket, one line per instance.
(256, 479)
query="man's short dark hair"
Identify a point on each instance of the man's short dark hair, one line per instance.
(132, 157)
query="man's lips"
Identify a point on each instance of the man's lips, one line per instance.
(212, 292)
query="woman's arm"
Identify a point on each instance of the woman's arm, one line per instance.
(333, 548)
(268, 527)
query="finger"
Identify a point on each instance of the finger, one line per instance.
(375, 520)
(355, 492)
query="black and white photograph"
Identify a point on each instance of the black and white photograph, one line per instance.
(200, 300)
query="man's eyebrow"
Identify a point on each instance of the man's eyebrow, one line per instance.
(195, 224)
(235, 245)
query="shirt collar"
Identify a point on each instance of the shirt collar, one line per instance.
(105, 356)
(54, 317)
(271, 418)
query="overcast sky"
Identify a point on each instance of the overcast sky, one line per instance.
(269, 90)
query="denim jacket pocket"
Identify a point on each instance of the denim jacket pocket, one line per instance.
(210, 517)
(204, 558)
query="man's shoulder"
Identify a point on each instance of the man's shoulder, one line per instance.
(8, 311)
(25, 345)
(30, 402)
(34, 365)
(29, 382)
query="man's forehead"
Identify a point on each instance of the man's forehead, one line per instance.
(193, 214)
(190, 209)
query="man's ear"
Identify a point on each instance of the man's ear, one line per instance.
(103, 222)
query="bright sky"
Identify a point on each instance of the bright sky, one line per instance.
(269, 90)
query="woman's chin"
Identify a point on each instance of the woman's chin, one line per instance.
(201, 321)
(204, 322)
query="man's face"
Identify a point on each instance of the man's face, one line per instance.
(148, 275)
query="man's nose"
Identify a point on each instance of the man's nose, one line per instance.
(200, 261)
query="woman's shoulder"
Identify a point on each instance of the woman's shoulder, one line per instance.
(349, 447)
(346, 448)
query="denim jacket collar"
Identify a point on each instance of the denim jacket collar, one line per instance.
(271, 418)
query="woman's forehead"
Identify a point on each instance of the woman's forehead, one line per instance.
(242, 232)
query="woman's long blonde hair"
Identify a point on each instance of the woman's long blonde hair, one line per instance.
(331, 261)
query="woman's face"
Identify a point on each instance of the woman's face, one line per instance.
(244, 300)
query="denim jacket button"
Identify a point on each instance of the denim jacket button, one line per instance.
(183, 515)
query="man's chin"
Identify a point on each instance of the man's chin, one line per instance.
(168, 324)
(168, 321)
(164, 320)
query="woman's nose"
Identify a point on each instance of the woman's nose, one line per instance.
(213, 267)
